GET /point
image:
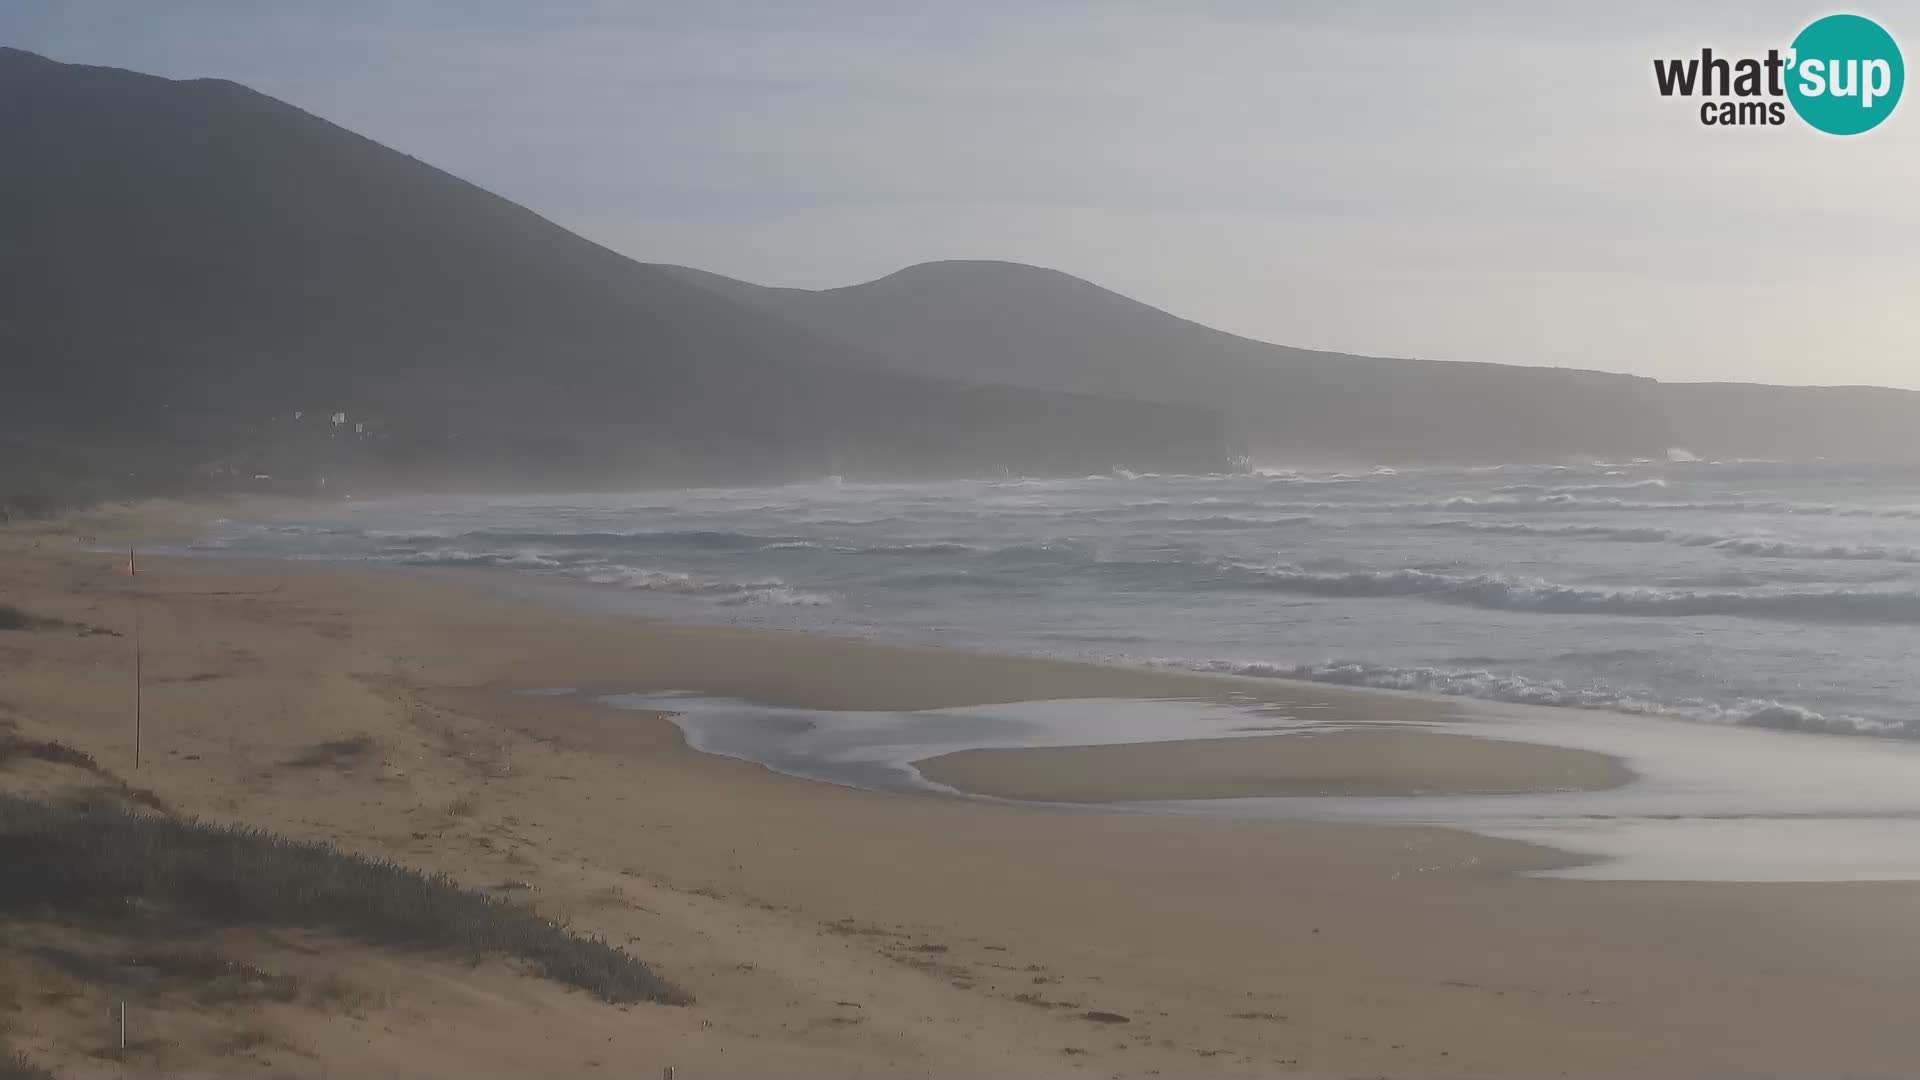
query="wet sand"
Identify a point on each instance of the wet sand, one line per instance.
(1329, 763)
(828, 931)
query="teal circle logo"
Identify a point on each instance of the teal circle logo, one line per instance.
(1846, 74)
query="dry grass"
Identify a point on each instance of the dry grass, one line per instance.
(338, 753)
(19, 1067)
(100, 860)
(12, 618)
(216, 979)
(248, 1039)
(16, 746)
(135, 1050)
(190, 999)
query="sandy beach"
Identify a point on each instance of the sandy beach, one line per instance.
(827, 931)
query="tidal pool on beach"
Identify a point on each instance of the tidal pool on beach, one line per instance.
(1703, 803)
(878, 749)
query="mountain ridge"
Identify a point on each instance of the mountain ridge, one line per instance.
(716, 280)
(239, 260)
(1034, 326)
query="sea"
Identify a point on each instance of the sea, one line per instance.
(1757, 594)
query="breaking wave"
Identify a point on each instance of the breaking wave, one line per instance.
(1231, 521)
(937, 548)
(719, 539)
(1515, 499)
(1767, 547)
(1569, 500)
(1502, 593)
(768, 591)
(1737, 591)
(1606, 489)
(1515, 528)
(523, 560)
(721, 591)
(1520, 690)
(1760, 546)
(914, 549)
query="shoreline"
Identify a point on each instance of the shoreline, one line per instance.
(1365, 750)
(1372, 705)
(826, 930)
(1458, 685)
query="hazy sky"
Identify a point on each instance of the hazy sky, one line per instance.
(1494, 183)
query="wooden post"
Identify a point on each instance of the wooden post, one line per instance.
(136, 681)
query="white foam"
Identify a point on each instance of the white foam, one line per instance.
(1520, 690)
(1769, 547)
(877, 749)
(1501, 592)
(727, 593)
(1603, 489)
(776, 596)
(526, 560)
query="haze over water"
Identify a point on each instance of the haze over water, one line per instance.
(1764, 594)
